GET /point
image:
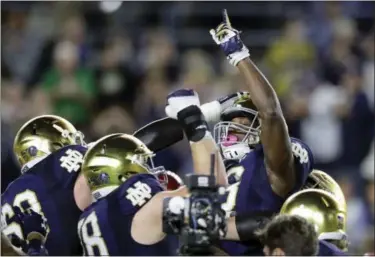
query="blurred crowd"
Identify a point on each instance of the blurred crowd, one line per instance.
(108, 68)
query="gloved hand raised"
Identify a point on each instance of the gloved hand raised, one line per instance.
(228, 38)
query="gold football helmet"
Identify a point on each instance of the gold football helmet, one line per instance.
(323, 210)
(320, 180)
(43, 135)
(113, 159)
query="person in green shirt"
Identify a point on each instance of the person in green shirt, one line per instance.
(72, 89)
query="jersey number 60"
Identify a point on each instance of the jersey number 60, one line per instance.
(29, 197)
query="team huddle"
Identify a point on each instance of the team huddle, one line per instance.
(106, 198)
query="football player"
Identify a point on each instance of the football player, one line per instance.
(333, 238)
(320, 195)
(264, 164)
(326, 213)
(126, 217)
(50, 151)
(319, 179)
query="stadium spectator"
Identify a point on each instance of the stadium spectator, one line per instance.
(289, 58)
(114, 76)
(123, 62)
(71, 88)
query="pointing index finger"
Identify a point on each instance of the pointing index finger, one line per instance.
(226, 18)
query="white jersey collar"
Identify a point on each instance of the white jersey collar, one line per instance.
(102, 192)
(32, 163)
(332, 236)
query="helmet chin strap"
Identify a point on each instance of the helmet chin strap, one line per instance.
(236, 151)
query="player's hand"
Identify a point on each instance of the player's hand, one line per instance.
(32, 222)
(228, 38)
(179, 100)
(35, 229)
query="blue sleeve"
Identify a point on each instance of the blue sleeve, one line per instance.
(137, 191)
(303, 162)
(67, 162)
(72, 148)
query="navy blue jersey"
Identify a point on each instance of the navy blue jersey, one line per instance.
(47, 188)
(105, 227)
(329, 249)
(250, 189)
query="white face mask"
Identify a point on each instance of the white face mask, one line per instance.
(232, 145)
(236, 151)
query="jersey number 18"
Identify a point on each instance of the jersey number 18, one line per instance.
(94, 239)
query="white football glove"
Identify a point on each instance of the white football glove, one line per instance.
(228, 38)
(212, 110)
(179, 100)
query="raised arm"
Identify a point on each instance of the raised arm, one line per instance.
(244, 227)
(183, 105)
(274, 131)
(274, 136)
(147, 225)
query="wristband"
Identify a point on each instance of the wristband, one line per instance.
(193, 123)
(236, 57)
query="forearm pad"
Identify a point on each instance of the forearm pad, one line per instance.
(193, 123)
(248, 224)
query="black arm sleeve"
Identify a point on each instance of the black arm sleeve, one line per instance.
(248, 224)
(160, 134)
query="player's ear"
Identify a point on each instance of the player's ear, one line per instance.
(82, 193)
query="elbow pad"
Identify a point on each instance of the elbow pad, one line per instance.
(248, 224)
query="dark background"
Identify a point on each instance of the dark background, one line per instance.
(110, 71)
